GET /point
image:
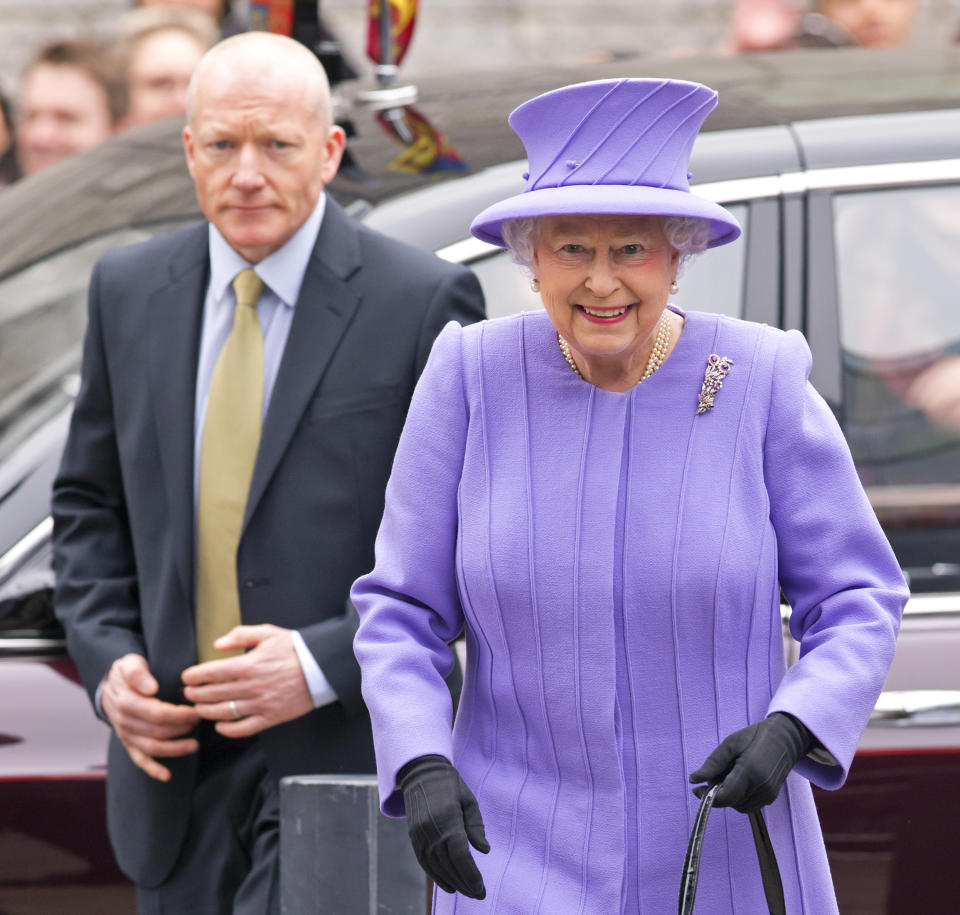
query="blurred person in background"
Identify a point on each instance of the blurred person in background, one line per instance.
(72, 97)
(763, 25)
(161, 47)
(768, 25)
(8, 158)
(220, 10)
(872, 23)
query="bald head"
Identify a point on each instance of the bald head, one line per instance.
(262, 60)
(259, 139)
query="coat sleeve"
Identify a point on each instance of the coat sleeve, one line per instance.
(836, 568)
(457, 297)
(96, 596)
(409, 604)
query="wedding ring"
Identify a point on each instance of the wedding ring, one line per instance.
(234, 709)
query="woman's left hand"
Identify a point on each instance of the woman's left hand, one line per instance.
(752, 764)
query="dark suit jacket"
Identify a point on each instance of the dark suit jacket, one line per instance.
(123, 505)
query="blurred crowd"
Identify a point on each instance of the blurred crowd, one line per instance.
(766, 25)
(76, 92)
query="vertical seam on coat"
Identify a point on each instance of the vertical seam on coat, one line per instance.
(486, 467)
(716, 591)
(524, 392)
(673, 598)
(498, 615)
(471, 675)
(788, 799)
(776, 550)
(578, 529)
(634, 702)
(466, 599)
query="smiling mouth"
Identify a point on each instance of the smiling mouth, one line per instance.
(604, 312)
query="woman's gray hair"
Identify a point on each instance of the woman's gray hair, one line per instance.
(687, 235)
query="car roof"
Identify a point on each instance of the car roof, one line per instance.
(789, 100)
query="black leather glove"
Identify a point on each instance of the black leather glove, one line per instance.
(752, 764)
(442, 815)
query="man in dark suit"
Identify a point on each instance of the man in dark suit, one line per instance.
(223, 481)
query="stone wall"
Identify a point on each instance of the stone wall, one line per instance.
(462, 33)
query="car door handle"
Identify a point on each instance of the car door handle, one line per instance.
(916, 708)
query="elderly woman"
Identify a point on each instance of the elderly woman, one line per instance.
(607, 497)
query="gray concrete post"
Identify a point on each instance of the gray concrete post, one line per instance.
(340, 856)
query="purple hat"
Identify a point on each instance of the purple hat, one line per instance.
(618, 146)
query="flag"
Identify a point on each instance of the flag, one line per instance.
(272, 16)
(429, 153)
(403, 17)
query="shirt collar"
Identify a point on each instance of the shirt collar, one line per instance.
(282, 271)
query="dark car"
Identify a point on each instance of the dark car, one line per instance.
(844, 169)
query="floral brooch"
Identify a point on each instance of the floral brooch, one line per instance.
(717, 369)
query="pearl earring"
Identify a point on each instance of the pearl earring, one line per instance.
(674, 288)
(534, 285)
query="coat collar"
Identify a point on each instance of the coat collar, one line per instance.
(173, 342)
(323, 312)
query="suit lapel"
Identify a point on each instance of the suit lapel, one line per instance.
(173, 344)
(323, 312)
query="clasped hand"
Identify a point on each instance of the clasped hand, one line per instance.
(752, 764)
(244, 695)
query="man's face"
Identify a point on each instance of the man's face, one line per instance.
(873, 23)
(158, 74)
(259, 158)
(63, 110)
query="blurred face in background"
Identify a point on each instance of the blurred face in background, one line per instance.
(873, 23)
(5, 136)
(62, 110)
(158, 73)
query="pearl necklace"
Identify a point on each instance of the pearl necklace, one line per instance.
(654, 361)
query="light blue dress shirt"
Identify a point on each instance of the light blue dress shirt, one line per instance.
(282, 273)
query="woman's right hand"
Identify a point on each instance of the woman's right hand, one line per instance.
(442, 818)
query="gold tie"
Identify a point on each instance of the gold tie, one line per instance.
(231, 436)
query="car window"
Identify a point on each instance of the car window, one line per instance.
(898, 273)
(42, 320)
(712, 281)
(26, 598)
(506, 288)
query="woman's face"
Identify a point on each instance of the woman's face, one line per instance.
(604, 281)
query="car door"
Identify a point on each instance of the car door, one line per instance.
(53, 839)
(883, 232)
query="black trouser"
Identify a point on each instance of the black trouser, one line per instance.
(229, 863)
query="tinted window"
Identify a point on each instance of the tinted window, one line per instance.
(42, 321)
(898, 276)
(713, 281)
(26, 598)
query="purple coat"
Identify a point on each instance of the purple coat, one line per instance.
(616, 562)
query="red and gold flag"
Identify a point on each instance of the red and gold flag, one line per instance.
(403, 17)
(429, 153)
